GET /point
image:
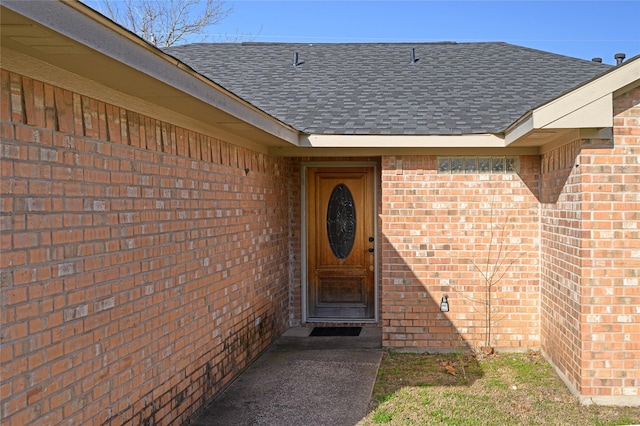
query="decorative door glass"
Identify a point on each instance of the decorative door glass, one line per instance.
(341, 221)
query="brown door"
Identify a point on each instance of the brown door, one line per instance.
(340, 243)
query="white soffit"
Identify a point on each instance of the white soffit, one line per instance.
(588, 106)
(401, 141)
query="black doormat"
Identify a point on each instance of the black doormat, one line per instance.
(335, 331)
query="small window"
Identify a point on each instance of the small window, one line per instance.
(444, 164)
(484, 164)
(510, 165)
(470, 165)
(456, 164)
(478, 165)
(497, 164)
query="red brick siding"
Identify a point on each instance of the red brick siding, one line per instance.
(143, 265)
(561, 264)
(590, 289)
(434, 227)
(295, 245)
(611, 258)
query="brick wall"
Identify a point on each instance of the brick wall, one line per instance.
(590, 289)
(561, 263)
(295, 257)
(143, 265)
(611, 258)
(435, 227)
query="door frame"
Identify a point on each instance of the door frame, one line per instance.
(304, 239)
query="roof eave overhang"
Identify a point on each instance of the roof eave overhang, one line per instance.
(106, 44)
(485, 140)
(376, 144)
(587, 109)
(585, 112)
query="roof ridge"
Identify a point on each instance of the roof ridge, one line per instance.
(262, 43)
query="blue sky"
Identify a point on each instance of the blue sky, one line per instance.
(582, 29)
(577, 28)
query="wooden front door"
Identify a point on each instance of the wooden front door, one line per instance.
(340, 243)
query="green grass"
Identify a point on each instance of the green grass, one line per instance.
(505, 389)
(381, 416)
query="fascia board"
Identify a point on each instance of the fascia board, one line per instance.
(588, 106)
(402, 141)
(293, 151)
(521, 129)
(119, 44)
(596, 114)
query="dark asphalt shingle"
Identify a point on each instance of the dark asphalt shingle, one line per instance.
(371, 88)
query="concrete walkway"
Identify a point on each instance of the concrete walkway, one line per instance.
(302, 380)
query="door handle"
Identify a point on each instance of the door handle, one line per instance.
(371, 249)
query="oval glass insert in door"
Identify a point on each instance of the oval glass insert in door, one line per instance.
(341, 221)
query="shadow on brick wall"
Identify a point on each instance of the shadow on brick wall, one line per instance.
(416, 312)
(560, 169)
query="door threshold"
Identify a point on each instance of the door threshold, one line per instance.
(350, 321)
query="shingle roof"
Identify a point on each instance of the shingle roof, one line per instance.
(372, 88)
